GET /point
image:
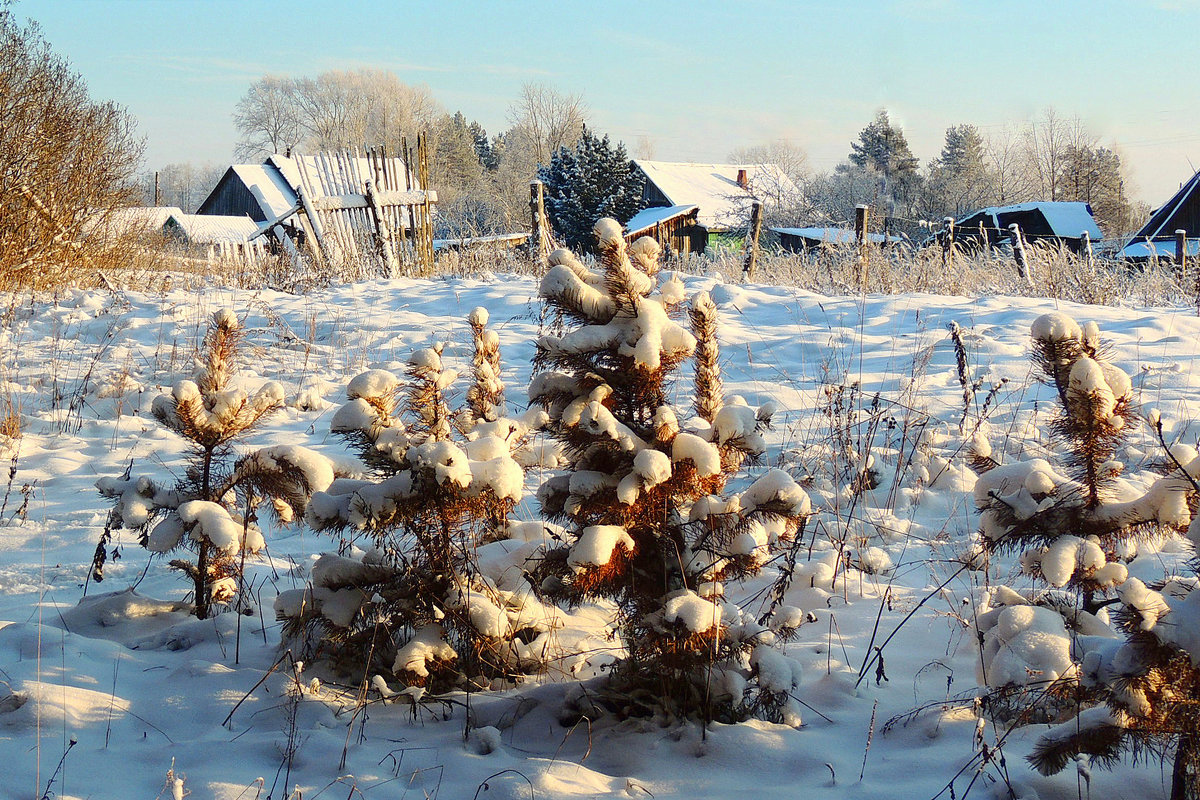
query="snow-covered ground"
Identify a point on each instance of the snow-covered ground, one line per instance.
(117, 696)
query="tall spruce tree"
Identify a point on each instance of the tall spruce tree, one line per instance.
(592, 180)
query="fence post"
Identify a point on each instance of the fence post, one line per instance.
(539, 236)
(752, 241)
(1181, 254)
(1018, 245)
(862, 215)
(947, 243)
(1085, 249)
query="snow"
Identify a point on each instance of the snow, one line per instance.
(694, 612)
(1023, 644)
(374, 383)
(425, 647)
(211, 521)
(596, 545)
(159, 683)
(704, 455)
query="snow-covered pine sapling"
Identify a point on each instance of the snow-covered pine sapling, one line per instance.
(640, 498)
(211, 509)
(485, 398)
(703, 314)
(1149, 682)
(1071, 531)
(405, 598)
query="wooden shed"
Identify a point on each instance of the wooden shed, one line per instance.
(675, 228)
(1056, 223)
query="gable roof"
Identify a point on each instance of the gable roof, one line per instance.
(836, 236)
(1058, 219)
(272, 191)
(647, 218)
(714, 187)
(1181, 212)
(211, 228)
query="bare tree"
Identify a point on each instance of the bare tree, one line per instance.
(783, 153)
(550, 118)
(183, 184)
(266, 118)
(65, 161)
(1008, 165)
(335, 109)
(1047, 138)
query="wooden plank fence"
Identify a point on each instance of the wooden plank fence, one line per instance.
(368, 213)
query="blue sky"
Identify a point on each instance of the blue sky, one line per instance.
(695, 79)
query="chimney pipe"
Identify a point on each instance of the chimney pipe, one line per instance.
(742, 180)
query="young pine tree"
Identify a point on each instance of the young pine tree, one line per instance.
(1073, 531)
(211, 510)
(640, 497)
(407, 599)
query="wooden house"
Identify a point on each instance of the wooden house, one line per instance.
(724, 193)
(342, 205)
(814, 240)
(1055, 223)
(1156, 239)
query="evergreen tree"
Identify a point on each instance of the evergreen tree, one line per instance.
(410, 602)
(641, 497)
(1074, 531)
(211, 509)
(592, 180)
(959, 178)
(882, 149)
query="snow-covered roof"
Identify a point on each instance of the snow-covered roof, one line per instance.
(835, 235)
(649, 217)
(507, 239)
(1067, 220)
(1158, 248)
(269, 188)
(211, 228)
(714, 188)
(132, 220)
(1169, 217)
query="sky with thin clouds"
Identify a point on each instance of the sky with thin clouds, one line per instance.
(685, 81)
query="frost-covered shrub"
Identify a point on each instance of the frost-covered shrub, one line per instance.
(211, 510)
(642, 494)
(406, 597)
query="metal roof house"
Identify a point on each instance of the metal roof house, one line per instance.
(1156, 239)
(723, 192)
(1059, 223)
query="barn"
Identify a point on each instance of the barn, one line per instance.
(258, 191)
